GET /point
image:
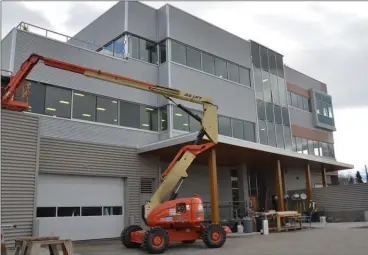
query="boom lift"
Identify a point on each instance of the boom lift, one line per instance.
(170, 219)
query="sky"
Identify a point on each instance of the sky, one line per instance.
(325, 40)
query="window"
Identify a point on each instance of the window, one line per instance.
(282, 91)
(178, 53)
(233, 72)
(162, 47)
(238, 128)
(280, 66)
(249, 131)
(272, 59)
(299, 146)
(264, 59)
(58, 101)
(271, 134)
(285, 116)
(113, 210)
(36, 97)
(220, 68)
(277, 110)
(269, 112)
(262, 132)
(304, 146)
(68, 211)
(84, 106)
(310, 147)
(294, 99)
(129, 114)
(224, 125)
(193, 58)
(279, 136)
(107, 110)
(181, 119)
(163, 118)
(316, 148)
(261, 110)
(148, 118)
(294, 143)
(92, 211)
(300, 102)
(208, 63)
(258, 84)
(306, 104)
(108, 49)
(266, 86)
(119, 47)
(287, 136)
(46, 212)
(331, 150)
(195, 125)
(244, 76)
(134, 47)
(147, 51)
(325, 151)
(274, 89)
(256, 59)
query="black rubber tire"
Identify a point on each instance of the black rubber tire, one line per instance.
(125, 236)
(148, 240)
(207, 236)
(188, 241)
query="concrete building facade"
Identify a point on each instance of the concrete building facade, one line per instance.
(85, 156)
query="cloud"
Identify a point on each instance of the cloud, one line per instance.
(12, 13)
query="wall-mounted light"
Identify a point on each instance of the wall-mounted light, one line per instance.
(63, 102)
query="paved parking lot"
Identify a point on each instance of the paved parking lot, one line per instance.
(334, 239)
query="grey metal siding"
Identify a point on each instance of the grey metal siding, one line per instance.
(207, 37)
(60, 156)
(295, 178)
(94, 132)
(28, 43)
(142, 20)
(233, 100)
(6, 44)
(19, 146)
(163, 80)
(301, 80)
(105, 28)
(162, 20)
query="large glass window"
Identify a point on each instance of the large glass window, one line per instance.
(108, 49)
(244, 76)
(249, 131)
(233, 72)
(304, 146)
(274, 89)
(134, 47)
(264, 59)
(285, 116)
(194, 58)
(256, 59)
(148, 118)
(220, 68)
(294, 99)
(316, 148)
(258, 84)
(287, 136)
(293, 139)
(162, 47)
(282, 91)
(310, 147)
(261, 110)
(163, 118)
(58, 101)
(266, 86)
(129, 114)
(181, 119)
(271, 134)
(299, 145)
(36, 98)
(262, 132)
(272, 61)
(84, 106)
(325, 152)
(195, 125)
(147, 51)
(278, 117)
(300, 102)
(279, 136)
(280, 66)
(305, 104)
(107, 110)
(331, 150)
(269, 112)
(178, 53)
(238, 128)
(208, 63)
(224, 125)
(119, 47)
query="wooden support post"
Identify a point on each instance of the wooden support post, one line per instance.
(324, 180)
(213, 187)
(308, 182)
(279, 187)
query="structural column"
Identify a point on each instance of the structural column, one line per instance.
(279, 188)
(213, 187)
(324, 180)
(308, 182)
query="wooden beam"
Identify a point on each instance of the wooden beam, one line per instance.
(279, 187)
(324, 179)
(308, 182)
(215, 218)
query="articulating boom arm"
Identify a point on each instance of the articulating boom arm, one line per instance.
(177, 170)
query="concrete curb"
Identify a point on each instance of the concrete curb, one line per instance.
(242, 235)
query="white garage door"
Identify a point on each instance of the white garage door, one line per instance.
(79, 207)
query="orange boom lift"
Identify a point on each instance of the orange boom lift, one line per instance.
(170, 219)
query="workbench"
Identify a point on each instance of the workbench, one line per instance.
(283, 221)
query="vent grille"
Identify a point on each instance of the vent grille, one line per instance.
(146, 186)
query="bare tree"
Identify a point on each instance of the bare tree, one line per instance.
(358, 177)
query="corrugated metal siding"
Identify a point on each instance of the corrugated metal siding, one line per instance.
(93, 132)
(5, 51)
(80, 158)
(19, 143)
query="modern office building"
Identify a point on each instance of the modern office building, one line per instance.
(85, 156)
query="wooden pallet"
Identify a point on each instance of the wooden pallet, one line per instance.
(33, 245)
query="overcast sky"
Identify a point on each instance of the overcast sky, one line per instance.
(325, 40)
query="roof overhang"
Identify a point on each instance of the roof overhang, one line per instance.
(233, 152)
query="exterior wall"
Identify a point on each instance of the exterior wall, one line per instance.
(142, 20)
(302, 80)
(207, 37)
(19, 167)
(28, 43)
(295, 178)
(6, 46)
(162, 21)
